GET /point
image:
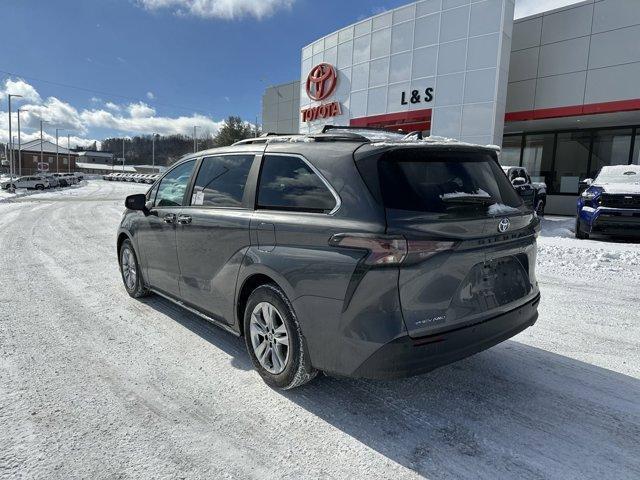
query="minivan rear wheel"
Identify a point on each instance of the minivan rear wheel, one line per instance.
(274, 339)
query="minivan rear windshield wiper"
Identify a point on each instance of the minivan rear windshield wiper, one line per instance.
(468, 199)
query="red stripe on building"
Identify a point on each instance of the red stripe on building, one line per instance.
(408, 121)
(574, 111)
(421, 119)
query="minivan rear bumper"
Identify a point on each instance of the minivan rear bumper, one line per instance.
(406, 356)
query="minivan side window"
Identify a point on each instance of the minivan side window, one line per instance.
(151, 194)
(174, 185)
(288, 183)
(221, 181)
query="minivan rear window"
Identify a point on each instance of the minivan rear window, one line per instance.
(450, 183)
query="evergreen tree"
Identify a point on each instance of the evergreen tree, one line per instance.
(233, 130)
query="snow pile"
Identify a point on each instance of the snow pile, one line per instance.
(560, 254)
(562, 227)
(6, 195)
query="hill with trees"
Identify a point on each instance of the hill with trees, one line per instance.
(170, 148)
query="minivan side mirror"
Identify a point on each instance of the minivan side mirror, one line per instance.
(136, 202)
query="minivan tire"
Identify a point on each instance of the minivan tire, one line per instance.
(135, 289)
(298, 369)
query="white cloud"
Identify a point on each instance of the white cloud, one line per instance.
(140, 110)
(525, 8)
(56, 113)
(112, 106)
(134, 118)
(150, 95)
(20, 87)
(225, 9)
(149, 124)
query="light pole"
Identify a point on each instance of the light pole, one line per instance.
(20, 110)
(57, 153)
(41, 142)
(11, 166)
(195, 138)
(153, 152)
(123, 158)
(69, 152)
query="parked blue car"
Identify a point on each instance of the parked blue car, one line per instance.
(611, 203)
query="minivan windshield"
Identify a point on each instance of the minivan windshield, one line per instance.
(450, 183)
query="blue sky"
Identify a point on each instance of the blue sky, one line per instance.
(162, 65)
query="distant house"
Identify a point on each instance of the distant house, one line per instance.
(96, 157)
(32, 159)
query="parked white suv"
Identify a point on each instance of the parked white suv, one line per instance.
(37, 183)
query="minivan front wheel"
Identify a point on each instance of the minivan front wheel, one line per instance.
(130, 270)
(274, 339)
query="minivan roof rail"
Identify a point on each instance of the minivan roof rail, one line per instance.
(318, 137)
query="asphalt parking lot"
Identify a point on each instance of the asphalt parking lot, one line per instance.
(94, 384)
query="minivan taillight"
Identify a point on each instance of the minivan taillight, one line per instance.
(390, 249)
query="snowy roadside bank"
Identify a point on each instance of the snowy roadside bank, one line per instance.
(561, 254)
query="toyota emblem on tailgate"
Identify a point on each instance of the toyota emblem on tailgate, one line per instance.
(504, 225)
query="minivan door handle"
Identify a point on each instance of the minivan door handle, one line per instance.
(184, 219)
(169, 218)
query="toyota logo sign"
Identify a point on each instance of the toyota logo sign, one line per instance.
(321, 82)
(504, 225)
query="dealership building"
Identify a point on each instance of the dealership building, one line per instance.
(559, 91)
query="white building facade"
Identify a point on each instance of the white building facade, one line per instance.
(560, 91)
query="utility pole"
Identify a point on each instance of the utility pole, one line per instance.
(123, 155)
(41, 142)
(69, 152)
(57, 153)
(20, 143)
(11, 166)
(153, 152)
(195, 139)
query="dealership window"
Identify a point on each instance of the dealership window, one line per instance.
(511, 150)
(572, 161)
(537, 157)
(288, 183)
(610, 147)
(221, 181)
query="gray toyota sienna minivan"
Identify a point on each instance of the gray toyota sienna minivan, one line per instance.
(354, 253)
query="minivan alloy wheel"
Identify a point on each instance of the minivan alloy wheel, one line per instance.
(129, 271)
(269, 338)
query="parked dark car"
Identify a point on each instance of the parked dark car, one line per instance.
(610, 204)
(336, 253)
(534, 194)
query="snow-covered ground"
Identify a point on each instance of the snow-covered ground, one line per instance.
(94, 384)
